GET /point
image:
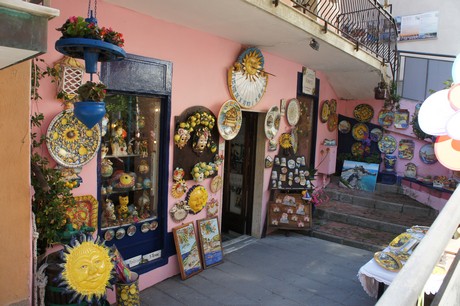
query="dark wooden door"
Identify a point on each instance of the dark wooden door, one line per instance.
(239, 178)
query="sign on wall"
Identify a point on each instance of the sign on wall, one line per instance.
(415, 27)
(308, 81)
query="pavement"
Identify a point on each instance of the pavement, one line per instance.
(280, 269)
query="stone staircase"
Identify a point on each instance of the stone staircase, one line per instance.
(368, 220)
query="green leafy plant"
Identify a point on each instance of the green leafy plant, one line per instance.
(392, 100)
(51, 194)
(92, 91)
(79, 27)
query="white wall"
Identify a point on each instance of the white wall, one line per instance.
(448, 41)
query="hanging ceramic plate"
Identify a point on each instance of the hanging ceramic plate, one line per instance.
(332, 122)
(344, 127)
(360, 131)
(333, 106)
(386, 117)
(387, 144)
(216, 184)
(324, 112)
(363, 112)
(179, 211)
(427, 154)
(229, 120)
(406, 149)
(272, 122)
(69, 142)
(358, 149)
(197, 197)
(401, 120)
(388, 261)
(376, 134)
(293, 112)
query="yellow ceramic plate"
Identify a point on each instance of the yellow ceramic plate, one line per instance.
(400, 241)
(388, 261)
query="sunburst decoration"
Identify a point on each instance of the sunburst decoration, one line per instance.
(87, 269)
(253, 64)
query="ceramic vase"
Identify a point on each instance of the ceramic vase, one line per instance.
(390, 162)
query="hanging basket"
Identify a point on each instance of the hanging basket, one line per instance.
(89, 112)
(91, 50)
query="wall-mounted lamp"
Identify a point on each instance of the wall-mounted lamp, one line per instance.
(314, 44)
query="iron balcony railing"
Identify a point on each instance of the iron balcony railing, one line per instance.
(366, 23)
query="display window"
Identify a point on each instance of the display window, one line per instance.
(129, 177)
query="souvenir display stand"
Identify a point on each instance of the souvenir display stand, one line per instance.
(290, 205)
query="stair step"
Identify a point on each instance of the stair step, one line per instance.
(352, 235)
(382, 200)
(389, 221)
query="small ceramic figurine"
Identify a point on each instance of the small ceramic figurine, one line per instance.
(104, 124)
(143, 167)
(123, 210)
(143, 148)
(106, 168)
(109, 213)
(118, 144)
(181, 138)
(200, 140)
(143, 205)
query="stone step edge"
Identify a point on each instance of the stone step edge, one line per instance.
(347, 242)
(362, 221)
(381, 204)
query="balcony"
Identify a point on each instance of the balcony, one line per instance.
(356, 45)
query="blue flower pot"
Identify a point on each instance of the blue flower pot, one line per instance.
(89, 112)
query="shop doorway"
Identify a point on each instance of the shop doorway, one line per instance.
(238, 193)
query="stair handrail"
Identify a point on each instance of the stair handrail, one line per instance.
(410, 281)
(366, 23)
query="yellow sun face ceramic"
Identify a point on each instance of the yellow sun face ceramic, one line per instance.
(87, 270)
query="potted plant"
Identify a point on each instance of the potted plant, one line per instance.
(83, 38)
(91, 107)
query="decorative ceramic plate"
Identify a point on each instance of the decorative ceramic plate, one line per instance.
(145, 227)
(229, 119)
(216, 184)
(293, 112)
(84, 212)
(358, 149)
(427, 154)
(386, 117)
(332, 122)
(69, 142)
(120, 233)
(333, 106)
(197, 197)
(376, 134)
(388, 261)
(153, 225)
(179, 211)
(387, 144)
(363, 112)
(212, 208)
(398, 242)
(344, 127)
(272, 122)
(360, 131)
(131, 230)
(108, 236)
(406, 149)
(324, 112)
(401, 120)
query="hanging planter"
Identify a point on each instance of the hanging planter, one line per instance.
(91, 50)
(91, 109)
(82, 38)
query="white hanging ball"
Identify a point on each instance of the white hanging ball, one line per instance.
(434, 113)
(456, 70)
(453, 126)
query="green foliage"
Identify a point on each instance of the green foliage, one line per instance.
(392, 101)
(92, 91)
(51, 197)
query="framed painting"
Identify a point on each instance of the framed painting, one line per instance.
(188, 253)
(359, 175)
(210, 241)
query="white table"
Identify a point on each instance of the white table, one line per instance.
(371, 274)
